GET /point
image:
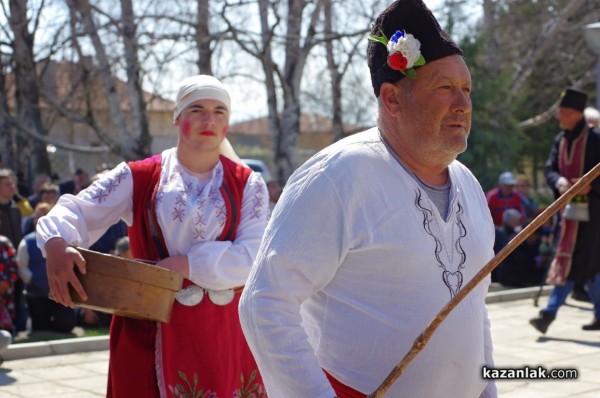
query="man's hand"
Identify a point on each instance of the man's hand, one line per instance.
(60, 262)
(585, 190)
(563, 184)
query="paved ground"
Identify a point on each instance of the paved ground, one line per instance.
(83, 374)
(565, 345)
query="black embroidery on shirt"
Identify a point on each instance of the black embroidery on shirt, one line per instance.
(452, 279)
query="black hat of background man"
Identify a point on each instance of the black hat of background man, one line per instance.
(573, 98)
(413, 17)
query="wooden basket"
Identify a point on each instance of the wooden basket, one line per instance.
(127, 287)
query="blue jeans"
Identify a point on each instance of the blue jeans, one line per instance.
(559, 296)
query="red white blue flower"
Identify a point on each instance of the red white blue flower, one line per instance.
(404, 52)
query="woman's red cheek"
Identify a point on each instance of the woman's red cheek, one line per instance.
(185, 128)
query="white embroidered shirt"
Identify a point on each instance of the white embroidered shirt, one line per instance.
(190, 211)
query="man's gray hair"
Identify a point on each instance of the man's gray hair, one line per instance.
(592, 116)
(509, 214)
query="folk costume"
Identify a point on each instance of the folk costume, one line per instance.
(377, 266)
(360, 254)
(577, 254)
(573, 154)
(217, 219)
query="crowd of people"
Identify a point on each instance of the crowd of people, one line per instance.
(513, 207)
(318, 289)
(25, 294)
(574, 152)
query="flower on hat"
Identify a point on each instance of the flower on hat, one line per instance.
(404, 52)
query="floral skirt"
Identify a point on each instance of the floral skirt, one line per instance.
(201, 352)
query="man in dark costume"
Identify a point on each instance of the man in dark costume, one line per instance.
(576, 150)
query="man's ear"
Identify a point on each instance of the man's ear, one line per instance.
(390, 98)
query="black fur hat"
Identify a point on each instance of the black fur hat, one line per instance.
(573, 98)
(414, 18)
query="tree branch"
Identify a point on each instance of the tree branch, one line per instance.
(536, 51)
(549, 113)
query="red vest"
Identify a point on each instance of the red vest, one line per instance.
(146, 174)
(134, 356)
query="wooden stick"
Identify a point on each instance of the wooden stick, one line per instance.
(425, 336)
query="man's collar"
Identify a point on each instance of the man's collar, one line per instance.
(576, 130)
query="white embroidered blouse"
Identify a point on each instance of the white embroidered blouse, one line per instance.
(355, 263)
(191, 214)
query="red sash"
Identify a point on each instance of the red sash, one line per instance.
(202, 350)
(570, 165)
(342, 390)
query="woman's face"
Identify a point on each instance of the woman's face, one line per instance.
(203, 125)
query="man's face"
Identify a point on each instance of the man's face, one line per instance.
(83, 178)
(50, 197)
(434, 118)
(203, 125)
(513, 222)
(506, 189)
(7, 189)
(523, 187)
(567, 117)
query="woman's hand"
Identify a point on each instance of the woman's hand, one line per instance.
(61, 260)
(176, 263)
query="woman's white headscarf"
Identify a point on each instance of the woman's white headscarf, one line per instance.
(201, 87)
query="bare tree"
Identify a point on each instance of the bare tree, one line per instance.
(180, 23)
(545, 38)
(299, 37)
(548, 114)
(134, 84)
(337, 128)
(309, 56)
(343, 47)
(521, 57)
(124, 143)
(26, 88)
(489, 28)
(296, 53)
(8, 150)
(24, 130)
(204, 38)
(106, 66)
(270, 70)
